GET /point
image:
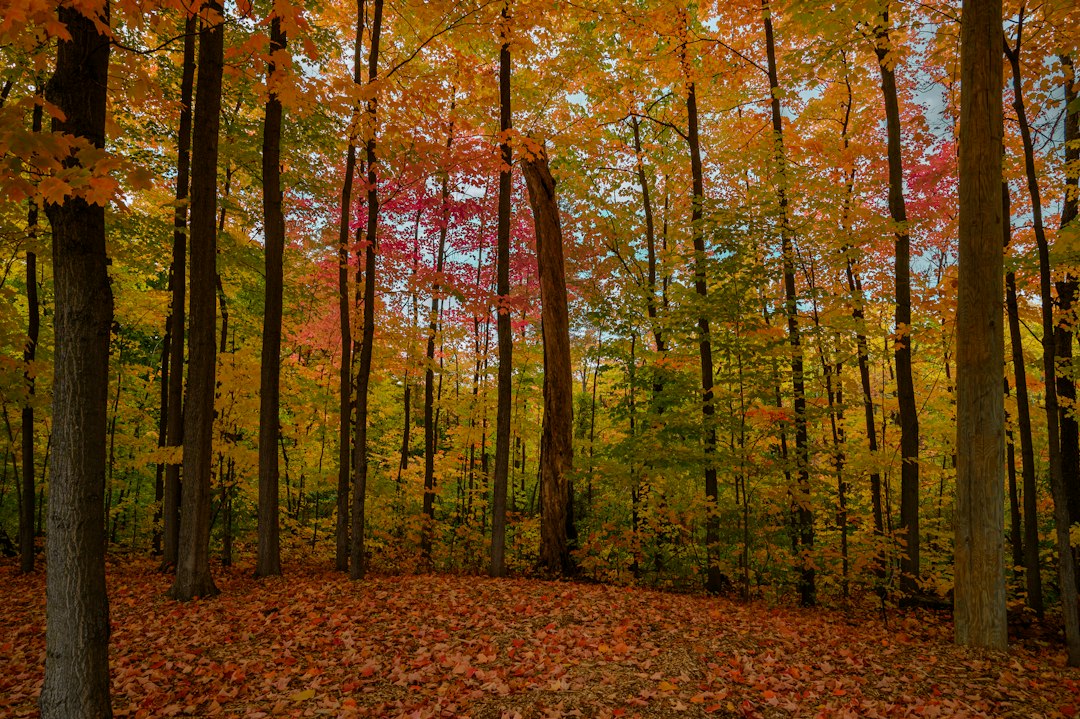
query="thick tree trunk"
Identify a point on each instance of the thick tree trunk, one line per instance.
(905, 387)
(193, 560)
(77, 608)
(557, 441)
(33, 326)
(502, 326)
(1066, 567)
(178, 284)
(1032, 576)
(268, 561)
(357, 559)
(800, 492)
(979, 613)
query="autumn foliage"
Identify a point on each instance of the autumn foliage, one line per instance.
(315, 644)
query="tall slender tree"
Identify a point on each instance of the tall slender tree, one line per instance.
(76, 607)
(177, 313)
(905, 386)
(800, 492)
(33, 327)
(1032, 576)
(193, 578)
(979, 613)
(1066, 567)
(341, 554)
(357, 561)
(502, 324)
(268, 562)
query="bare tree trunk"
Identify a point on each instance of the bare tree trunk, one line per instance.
(268, 561)
(905, 387)
(1066, 567)
(979, 613)
(1067, 290)
(557, 448)
(357, 560)
(1032, 575)
(33, 326)
(178, 283)
(77, 608)
(341, 554)
(193, 577)
(503, 329)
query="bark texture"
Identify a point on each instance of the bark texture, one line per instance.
(77, 609)
(557, 441)
(979, 613)
(193, 577)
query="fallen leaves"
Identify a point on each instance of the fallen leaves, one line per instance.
(315, 644)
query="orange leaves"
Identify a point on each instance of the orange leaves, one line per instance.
(316, 644)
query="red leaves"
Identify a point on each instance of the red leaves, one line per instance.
(315, 644)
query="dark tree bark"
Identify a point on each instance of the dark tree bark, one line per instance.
(905, 387)
(800, 492)
(650, 246)
(33, 326)
(1032, 576)
(557, 441)
(1066, 568)
(357, 560)
(979, 613)
(178, 283)
(268, 561)
(714, 579)
(341, 555)
(193, 577)
(502, 326)
(858, 302)
(1016, 539)
(1067, 290)
(77, 608)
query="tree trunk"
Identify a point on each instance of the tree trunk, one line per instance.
(341, 555)
(557, 448)
(77, 609)
(1015, 530)
(193, 560)
(33, 326)
(1032, 576)
(503, 329)
(800, 492)
(1066, 567)
(357, 560)
(429, 364)
(979, 613)
(1067, 290)
(268, 562)
(178, 283)
(905, 387)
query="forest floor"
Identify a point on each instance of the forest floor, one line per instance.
(315, 644)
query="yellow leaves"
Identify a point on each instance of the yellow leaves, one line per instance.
(302, 696)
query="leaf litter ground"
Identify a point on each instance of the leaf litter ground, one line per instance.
(315, 644)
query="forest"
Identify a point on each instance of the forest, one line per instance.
(721, 354)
